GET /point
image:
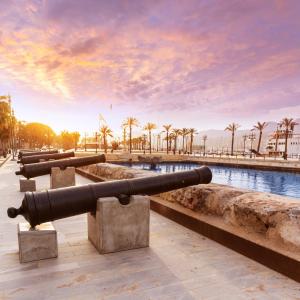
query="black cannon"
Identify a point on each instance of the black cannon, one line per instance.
(45, 206)
(43, 168)
(23, 154)
(36, 158)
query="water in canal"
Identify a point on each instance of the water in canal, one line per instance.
(280, 183)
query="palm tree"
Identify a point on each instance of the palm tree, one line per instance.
(171, 139)
(130, 122)
(184, 132)
(167, 128)
(124, 129)
(260, 127)
(149, 127)
(288, 125)
(176, 133)
(192, 132)
(204, 142)
(105, 132)
(233, 128)
(75, 134)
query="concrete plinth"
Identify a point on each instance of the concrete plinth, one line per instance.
(36, 244)
(27, 185)
(116, 227)
(62, 178)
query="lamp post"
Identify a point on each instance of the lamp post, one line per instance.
(13, 134)
(204, 142)
(252, 138)
(244, 140)
(277, 136)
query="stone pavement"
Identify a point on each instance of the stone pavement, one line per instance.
(179, 264)
(2, 160)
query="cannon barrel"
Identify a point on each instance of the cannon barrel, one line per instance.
(43, 168)
(36, 158)
(23, 154)
(45, 206)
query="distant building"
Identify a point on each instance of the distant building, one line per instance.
(276, 143)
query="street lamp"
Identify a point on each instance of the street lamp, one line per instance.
(244, 139)
(204, 142)
(252, 138)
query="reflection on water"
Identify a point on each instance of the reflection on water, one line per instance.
(281, 183)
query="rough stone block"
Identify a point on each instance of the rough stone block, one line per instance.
(116, 227)
(27, 185)
(62, 178)
(36, 244)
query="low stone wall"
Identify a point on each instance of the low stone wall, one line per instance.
(258, 163)
(273, 217)
(108, 171)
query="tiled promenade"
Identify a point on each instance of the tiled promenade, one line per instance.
(179, 264)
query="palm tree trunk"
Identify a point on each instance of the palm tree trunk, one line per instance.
(232, 142)
(259, 141)
(175, 144)
(191, 145)
(285, 146)
(130, 129)
(105, 145)
(150, 141)
(167, 142)
(183, 143)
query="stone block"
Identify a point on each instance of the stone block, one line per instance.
(27, 185)
(116, 227)
(62, 178)
(38, 243)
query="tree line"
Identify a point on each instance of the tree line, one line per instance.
(284, 129)
(17, 134)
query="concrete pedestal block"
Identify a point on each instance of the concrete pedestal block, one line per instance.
(116, 227)
(36, 244)
(62, 178)
(27, 185)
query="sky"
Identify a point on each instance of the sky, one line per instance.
(200, 64)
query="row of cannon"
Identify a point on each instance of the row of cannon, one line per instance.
(53, 204)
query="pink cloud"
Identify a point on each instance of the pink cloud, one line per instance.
(221, 56)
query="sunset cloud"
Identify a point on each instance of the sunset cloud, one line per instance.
(158, 56)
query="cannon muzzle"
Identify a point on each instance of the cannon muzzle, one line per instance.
(44, 168)
(45, 206)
